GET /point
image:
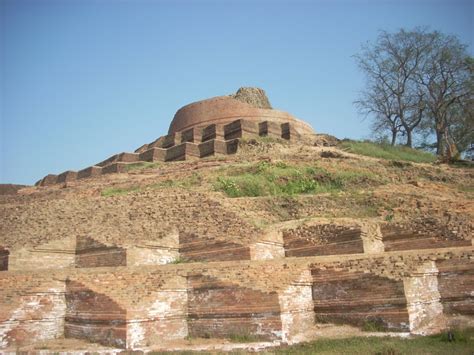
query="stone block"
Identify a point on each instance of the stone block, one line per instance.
(115, 168)
(153, 154)
(241, 129)
(269, 129)
(212, 147)
(91, 171)
(192, 135)
(182, 151)
(128, 157)
(232, 146)
(48, 180)
(66, 176)
(213, 131)
(170, 140)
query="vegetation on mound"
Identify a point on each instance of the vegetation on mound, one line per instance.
(186, 182)
(275, 179)
(116, 191)
(386, 151)
(436, 344)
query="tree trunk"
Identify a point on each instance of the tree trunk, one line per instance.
(409, 138)
(394, 137)
(439, 142)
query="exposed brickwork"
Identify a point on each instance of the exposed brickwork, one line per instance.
(91, 253)
(324, 239)
(222, 309)
(456, 286)
(94, 316)
(195, 248)
(426, 232)
(4, 253)
(342, 296)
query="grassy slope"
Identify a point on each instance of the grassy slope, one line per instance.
(281, 179)
(386, 151)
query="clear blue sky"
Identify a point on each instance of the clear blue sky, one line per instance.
(82, 80)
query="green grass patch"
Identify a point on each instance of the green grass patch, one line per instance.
(436, 344)
(244, 338)
(386, 151)
(142, 165)
(116, 191)
(268, 179)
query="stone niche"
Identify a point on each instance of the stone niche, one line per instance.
(193, 247)
(4, 253)
(456, 286)
(91, 253)
(221, 309)
(94, 317)
(323, 239)
(361, 299)
(421, 234)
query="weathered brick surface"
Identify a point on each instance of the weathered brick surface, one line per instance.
(91, 253)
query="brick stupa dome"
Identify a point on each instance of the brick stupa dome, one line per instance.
(250, 104)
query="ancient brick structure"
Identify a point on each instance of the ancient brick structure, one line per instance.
(202, 129)
(150, 269)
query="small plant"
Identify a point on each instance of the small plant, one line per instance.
(116, 191)
(374, 325)
(179, 260)
(228, 186)
(244, 337)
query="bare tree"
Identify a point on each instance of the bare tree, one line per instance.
(391, 65)
(380, 104)
(447, 77)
